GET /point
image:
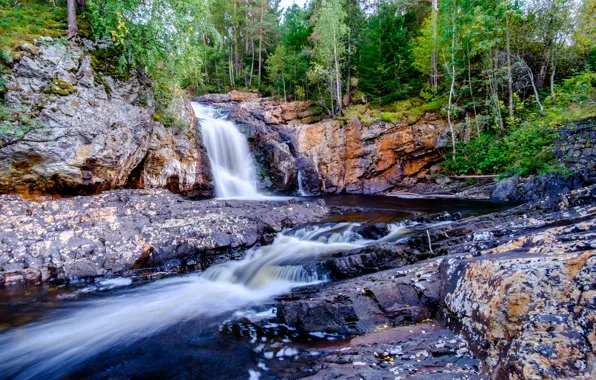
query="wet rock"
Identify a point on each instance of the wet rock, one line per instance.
(422, 351)
(281, 165)
(369, 259)
(116, 232)
(309, 175)
(518, 285)
(356, 306)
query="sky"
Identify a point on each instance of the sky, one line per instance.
(287, 3)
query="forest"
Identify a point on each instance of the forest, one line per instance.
(504, 73)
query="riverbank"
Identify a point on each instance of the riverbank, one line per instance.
(517, 285)
(134, 232)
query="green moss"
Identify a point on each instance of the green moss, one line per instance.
(30, 20)
(107, 61)
(412, 109)
(60, 87)
(99, 81)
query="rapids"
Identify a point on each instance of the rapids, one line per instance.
(55, 347)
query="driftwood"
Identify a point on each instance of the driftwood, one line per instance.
(472, 176)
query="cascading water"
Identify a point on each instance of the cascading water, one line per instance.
(301, 190)
(231, 163)
(53, 348)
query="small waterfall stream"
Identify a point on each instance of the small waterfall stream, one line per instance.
(231, 163)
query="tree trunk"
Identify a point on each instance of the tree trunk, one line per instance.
(337, 74)
(552, 76)
(236, 54)
(471, 91)
(509, 75)
(261, 40)
(433, 69)
(252, 62)
(534, 86)
(348, 84)
(451, 90)
(72, 19)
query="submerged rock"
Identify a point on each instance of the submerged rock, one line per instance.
(118, 231)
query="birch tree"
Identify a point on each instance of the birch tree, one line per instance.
(329, 49)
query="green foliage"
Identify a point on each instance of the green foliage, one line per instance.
(525, 149)
(527, 146)
(288, 65)
(165, 38)
(329, 52)
(386, 60)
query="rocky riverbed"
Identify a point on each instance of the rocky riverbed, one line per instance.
(131, 232)
(517, 286)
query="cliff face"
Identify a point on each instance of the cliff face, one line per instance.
(98, 131)
(333, 156)
(367, 159)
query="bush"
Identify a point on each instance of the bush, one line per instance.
(525, 149)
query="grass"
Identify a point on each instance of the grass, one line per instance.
(29, 21)
(412, 109)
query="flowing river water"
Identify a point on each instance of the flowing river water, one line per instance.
(192, 326)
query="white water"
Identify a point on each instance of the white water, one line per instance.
(301, 190)
(231, 163)
(50, 349)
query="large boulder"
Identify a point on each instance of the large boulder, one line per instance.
(534, 188)
(99, 130)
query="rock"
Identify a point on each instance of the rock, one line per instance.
(423, 351)
(213, 98)
(116, 232)
(575, 148)
(518, 285)
(533, 188)
(369, 259)
(281, 165)
(309, 175)
(371, 158)
(99, 132)
(239, 96)
(359, 305)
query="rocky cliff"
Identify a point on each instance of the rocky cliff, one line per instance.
(333, 156)
(98, 130)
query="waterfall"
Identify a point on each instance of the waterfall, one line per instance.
(233, 169)
(301, 190)
(53, 348)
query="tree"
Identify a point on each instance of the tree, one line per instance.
(329, 49)
(386, 62)
(72, 19)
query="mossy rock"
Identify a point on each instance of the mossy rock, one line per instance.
(24, 46)
(99, 81)
(107, 61)
(61, 87)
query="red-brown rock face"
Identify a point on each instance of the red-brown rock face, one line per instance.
(357, 158)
